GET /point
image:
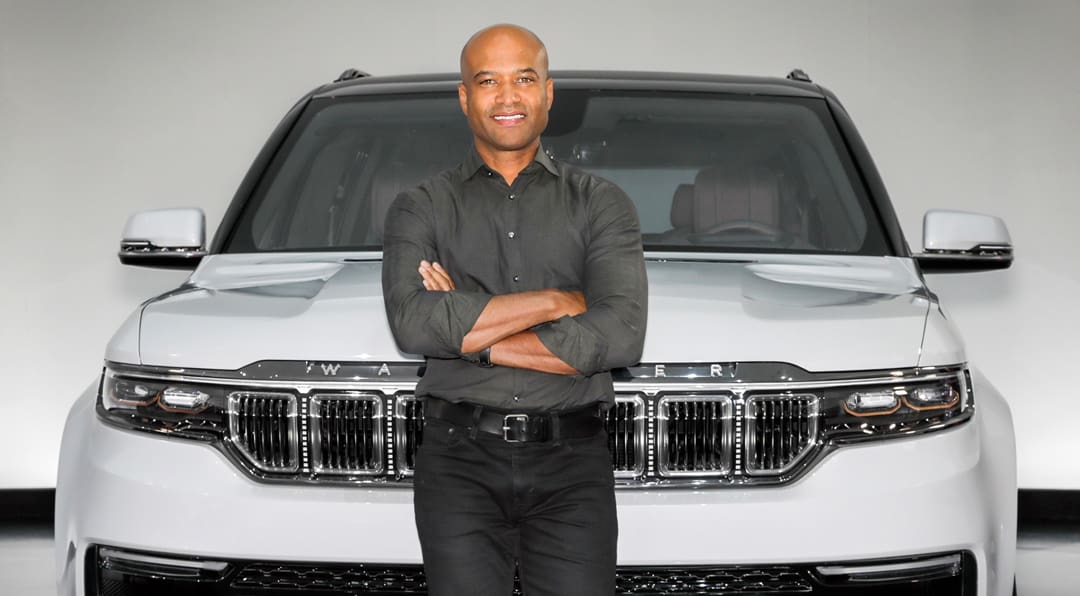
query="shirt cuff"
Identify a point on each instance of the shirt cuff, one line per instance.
(455, 316)
(574, 344)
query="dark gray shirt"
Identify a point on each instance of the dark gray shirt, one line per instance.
(556, 227)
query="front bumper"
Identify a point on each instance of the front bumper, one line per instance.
(930, 495)
(128, 573)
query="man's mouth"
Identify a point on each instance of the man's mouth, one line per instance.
(508, 119)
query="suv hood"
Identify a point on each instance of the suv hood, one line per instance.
(819, 313)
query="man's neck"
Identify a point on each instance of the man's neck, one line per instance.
(508, 163)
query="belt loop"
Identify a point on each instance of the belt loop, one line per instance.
(475, 428)
(556, 435)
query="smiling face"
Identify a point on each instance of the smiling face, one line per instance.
(505, 91)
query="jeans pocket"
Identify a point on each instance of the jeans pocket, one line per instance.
(439, 434)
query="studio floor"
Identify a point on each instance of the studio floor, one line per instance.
(1048, 560)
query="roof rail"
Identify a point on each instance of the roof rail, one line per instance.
(351, 74)
(799, 75)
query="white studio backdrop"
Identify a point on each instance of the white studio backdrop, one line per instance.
(110, 107)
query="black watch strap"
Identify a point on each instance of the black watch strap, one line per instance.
(485, 358)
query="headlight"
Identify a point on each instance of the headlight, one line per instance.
(257, 428)
(182, 409)
(907, 407)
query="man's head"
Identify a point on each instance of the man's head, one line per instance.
(505, 90)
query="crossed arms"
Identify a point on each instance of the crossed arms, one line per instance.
(598, 328)
(503, 324)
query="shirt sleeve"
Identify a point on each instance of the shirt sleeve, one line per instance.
(611, 333)
(430, 323)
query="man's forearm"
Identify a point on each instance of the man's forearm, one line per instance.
(524, 350)
(509, 314)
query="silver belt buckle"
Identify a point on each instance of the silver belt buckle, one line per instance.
(519, 421)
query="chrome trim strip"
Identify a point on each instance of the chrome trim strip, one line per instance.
(406, 374)
(856, 570)
(112, 553)
(390, 387)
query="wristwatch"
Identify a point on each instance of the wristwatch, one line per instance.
(485, 358)
(481, 358)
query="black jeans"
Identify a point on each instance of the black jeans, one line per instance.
(484, 505)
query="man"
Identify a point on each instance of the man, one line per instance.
(522, 281)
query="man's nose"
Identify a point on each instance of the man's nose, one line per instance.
(508, 94)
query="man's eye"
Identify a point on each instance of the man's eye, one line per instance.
(526, 80)
(487, 82)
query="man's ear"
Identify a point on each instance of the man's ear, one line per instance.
(463, 98)
(550, 91)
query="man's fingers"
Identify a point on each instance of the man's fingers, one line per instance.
(440, 274)
(435, 277)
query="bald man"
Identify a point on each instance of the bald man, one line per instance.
(522, 282)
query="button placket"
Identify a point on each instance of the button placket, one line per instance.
(513, 251)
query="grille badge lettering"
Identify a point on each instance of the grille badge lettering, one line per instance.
(676, 371)
(330, 370)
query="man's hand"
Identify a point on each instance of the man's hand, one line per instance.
(435, 277)
(571, 303)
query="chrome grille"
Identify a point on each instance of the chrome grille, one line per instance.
(408, 431)
(625, 423)
(347, 433)
(694, 435)
(780, 431)
(263, 427)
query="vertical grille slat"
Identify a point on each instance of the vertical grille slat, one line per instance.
(691, 432)
(783, 429)
(625, 425)
(263, 427)
(347, 437)
(408, 432)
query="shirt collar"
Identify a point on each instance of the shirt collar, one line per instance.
(474, 163)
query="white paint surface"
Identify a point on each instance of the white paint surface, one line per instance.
(112, 107)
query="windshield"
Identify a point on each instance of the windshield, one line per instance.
(707, 172)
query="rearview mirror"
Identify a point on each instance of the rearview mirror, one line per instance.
(957, 241)
(165, 238)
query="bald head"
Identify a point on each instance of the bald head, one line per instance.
(506, 93)
(502, 38)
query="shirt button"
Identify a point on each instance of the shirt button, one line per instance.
(512, 196)
(517, 397)
(490, 173)
(516, 278)
(510, 235)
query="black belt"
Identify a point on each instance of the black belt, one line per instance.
(517, 427)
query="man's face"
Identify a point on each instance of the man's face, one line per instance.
(505, 91)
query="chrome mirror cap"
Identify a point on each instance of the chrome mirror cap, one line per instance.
(165, 238)
(958, 241)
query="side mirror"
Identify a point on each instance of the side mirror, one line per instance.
(165, 238)
(957, 241)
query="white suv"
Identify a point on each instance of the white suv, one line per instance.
(804, 418)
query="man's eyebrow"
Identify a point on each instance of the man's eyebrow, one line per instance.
(487, 73)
